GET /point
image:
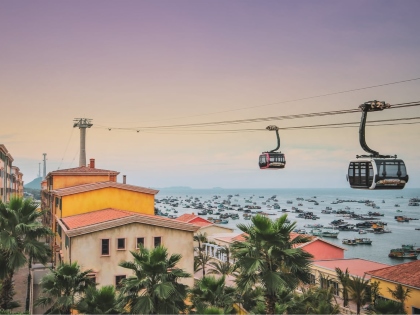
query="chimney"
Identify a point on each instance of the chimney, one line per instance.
(124, 179)
(92, 163)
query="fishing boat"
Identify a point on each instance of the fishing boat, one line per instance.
(349, 242)
(411, 248)
(362, 232)
(363, 241)
(401, 253)
(324, 233)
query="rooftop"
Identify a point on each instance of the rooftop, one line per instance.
(356, 266)
(100, 185)
(408, 273)
(108, 218)
(82, 170)
(195, 219)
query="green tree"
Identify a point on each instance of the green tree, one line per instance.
(200, 238)
(63, 287)
(212, 292)
(358, 291)
(344, 278)
(387, 307)
(314, 300)
(154, 288)
(201, 260)
(222, 268)
(20, 231)
(400, 294)
(374, 291)
(269, 259)
(98, 301)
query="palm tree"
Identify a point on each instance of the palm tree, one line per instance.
(344, 278)
(63, 287)
(201, 261)
(154, 288)
(98, 301)
(314, 300)
(200, 238)
(20, 231)
(222, 268)
(212, 292)
(268, 258)
(400, 294)
(358, 291)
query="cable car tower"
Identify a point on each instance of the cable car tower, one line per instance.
(272, 159)
(82, 123)
(375, 171)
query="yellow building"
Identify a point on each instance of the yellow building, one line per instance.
(100, 240)
(408, 275)
(11, 181)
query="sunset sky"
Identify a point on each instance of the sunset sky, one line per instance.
(139, 64)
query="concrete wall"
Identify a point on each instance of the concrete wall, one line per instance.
(322, 251)
(62, 181)
(86, 249)
(412, 301)
(107, 198)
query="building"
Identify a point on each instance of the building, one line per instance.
(11, 179)
(323, 271)
(100, 240)
(408, 275)
(98, 221)
(206, 227)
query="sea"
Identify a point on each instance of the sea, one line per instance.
(391, 203)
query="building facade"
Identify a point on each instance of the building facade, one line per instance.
(407, 275)
(11, 179)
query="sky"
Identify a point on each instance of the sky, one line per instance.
(144, 64)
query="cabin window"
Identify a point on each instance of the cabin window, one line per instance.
(121, 244)
(157, 241)
(105, 247)
(139, 242)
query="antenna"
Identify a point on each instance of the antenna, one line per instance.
(45, 165)
(82, 123)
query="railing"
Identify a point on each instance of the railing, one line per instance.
(215, 251)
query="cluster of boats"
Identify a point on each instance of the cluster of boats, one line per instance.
(357, 241)
(406, 251)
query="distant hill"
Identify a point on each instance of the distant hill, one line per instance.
(35, 184)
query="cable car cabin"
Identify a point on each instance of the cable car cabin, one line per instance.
(272, 160)
(377, 173)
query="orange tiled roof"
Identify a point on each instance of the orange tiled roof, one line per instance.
(109, 218)
(186, 217)
(100, 185)
(408, 273)
(357, 266)
(95, 217)
(82, 170)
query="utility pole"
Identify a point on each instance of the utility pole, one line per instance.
(39, 171)
(82, 123)
(45, 165)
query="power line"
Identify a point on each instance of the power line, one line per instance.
(319, 126)
(261, 119)
(290, 101)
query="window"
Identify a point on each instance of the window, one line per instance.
(92, 278)
(105, 247)
(118, 280)
(139, 242)
(121, 243)
(157, 241)
(312, 279)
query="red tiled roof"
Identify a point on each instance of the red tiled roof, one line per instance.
(231, 238)
(408, 273)
(100, 185)
(85, 219)
(194, 219)
(186, 217)
(82, 170)
(108, 218)
(356, 266)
